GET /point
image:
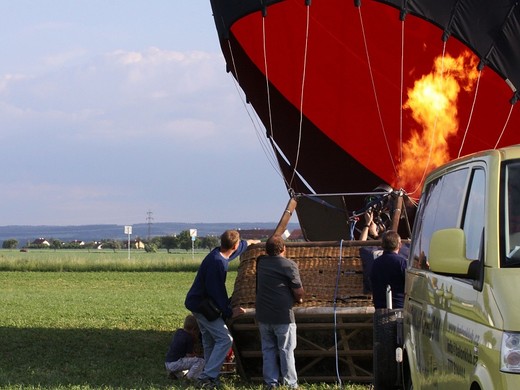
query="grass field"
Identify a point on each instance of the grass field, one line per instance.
(106, 325)
(99, 260)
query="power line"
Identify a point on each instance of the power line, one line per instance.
(149, 219)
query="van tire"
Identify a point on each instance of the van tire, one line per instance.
(385, 343)
(407, 380)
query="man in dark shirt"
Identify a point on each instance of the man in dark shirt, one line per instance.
(389, 270)
(278, 287)
(210, 283)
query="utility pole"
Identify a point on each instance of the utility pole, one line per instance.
(149, 220)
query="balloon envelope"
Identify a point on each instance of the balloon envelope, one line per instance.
(355, 96)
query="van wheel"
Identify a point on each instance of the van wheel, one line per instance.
(405, 377)
(385, 343)
(408, 385)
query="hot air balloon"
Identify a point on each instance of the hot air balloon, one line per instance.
(359, 100)
(353, 94)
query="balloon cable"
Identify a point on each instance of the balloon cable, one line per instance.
(335, 313)
(267, 79)
(402, 91)
(268, 152)
(375, 91)
(505, 125)
(301, 96)
(470, 113)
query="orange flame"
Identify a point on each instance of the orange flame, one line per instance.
(433, 103)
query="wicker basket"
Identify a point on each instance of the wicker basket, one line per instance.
(327, 270)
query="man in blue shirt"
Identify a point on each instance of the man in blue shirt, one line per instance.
(389, 270)
(210, 285)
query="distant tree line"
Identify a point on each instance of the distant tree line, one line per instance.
(182, 240)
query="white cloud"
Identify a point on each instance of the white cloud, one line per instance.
(99, 129)
(136, 94)
(7, 79)
(63, 58)
(189, 129)
(64, 203)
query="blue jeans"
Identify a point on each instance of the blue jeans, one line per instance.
(192, 365)
(216, 341)
(279, 341)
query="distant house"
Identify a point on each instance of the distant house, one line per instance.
(296, 235)
(78, 242)
(135, 244)
(138, 244)
(41, 241)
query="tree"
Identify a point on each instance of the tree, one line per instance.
(150, 247)
(209, 242)
(10, 244)
(55, 244)
(111, 244)
(169, 242)
(184, 240)
(157, 241)
(91, 245)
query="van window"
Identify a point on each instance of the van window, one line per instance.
(511, 213)
(441, 207)
(474, 214)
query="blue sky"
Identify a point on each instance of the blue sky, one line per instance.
(110, 109)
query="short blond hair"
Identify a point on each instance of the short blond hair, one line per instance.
(228, 239)
(390, 240)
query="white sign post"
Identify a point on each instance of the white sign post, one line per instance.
(193, 235)
(128, 230)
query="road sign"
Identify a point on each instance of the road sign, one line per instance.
(128, 231)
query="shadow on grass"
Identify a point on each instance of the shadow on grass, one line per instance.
(96, 358)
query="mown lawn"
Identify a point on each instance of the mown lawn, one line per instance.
(94, 330)
(48, 260)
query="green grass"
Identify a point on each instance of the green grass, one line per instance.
(48, 260)
(95, 330)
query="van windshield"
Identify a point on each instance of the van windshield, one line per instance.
(511, 213)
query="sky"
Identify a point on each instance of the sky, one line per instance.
(113, 111)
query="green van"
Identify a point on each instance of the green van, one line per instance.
(461, 319)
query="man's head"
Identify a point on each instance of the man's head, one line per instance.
(391, 241)
(229, 239)
(274, 245)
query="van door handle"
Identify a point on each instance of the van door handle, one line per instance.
(441, 293)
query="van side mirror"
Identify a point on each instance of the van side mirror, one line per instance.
(448, 254)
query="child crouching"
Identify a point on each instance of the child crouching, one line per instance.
(181, 360)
